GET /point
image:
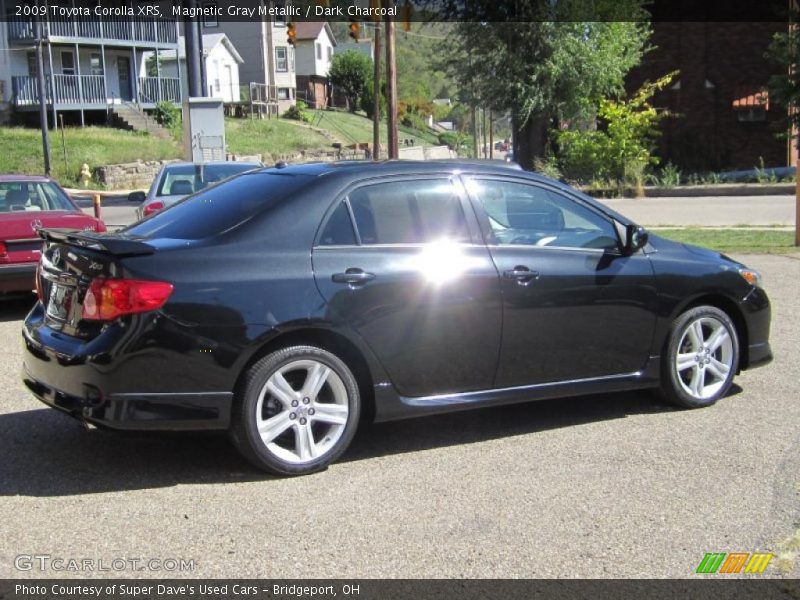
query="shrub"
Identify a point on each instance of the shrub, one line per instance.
(298, 112)
(167, 114)
(622, 151)
(547, 167)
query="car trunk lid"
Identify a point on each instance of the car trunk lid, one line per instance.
(70, 262)
(19, 232)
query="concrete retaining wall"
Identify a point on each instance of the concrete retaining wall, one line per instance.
(135, 175)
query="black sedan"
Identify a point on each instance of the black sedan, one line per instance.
(287, 304)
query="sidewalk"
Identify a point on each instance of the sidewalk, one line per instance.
(709, 211)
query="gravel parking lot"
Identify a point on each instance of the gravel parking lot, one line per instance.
(599, 486)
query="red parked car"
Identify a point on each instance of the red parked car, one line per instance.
(27, 203)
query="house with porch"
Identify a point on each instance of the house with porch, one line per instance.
(92, 67)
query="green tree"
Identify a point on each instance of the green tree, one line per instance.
(550, 68)
(351, 72)
(784, 52)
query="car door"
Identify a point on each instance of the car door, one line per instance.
(415, 281)
(574, 306)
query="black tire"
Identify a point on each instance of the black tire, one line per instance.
(244, 429)
(671, 388)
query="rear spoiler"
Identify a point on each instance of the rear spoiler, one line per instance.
(94, 241)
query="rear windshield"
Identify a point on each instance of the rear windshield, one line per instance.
(32, 196)
(219, 208)
(182, 180)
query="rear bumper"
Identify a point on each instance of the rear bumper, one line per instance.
(76, 379)
(17, 277)
(139, 412)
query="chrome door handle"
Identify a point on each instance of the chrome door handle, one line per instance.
(522, 274)
(353, 276)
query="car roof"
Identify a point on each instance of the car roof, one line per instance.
(393, 167)
(16, 178)
(357, 169)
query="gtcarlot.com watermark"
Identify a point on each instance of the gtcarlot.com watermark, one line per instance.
(48, 562)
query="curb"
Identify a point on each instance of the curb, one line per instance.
(701, 191)
(722, 189)
(102, 193)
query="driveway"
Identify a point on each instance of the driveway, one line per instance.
(615, 485)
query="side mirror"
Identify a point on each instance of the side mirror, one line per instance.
(636, 238)
(137, 197)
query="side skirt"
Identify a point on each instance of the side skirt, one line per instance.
(390, 406)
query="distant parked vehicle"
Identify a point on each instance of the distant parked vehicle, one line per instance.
(28, 203)
(177, 180)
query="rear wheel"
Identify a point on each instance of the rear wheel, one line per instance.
(701, 359)
(297, 411)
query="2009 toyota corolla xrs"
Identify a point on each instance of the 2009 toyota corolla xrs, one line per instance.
(286, 304)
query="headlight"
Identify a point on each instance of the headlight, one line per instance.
(752, 277)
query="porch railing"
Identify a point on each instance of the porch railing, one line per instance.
(153, 89)
(69, 89)
(162, 31)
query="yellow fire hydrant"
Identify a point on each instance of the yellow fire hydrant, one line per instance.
(86, 175)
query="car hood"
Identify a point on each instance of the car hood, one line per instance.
(670, 247)
(21, 224)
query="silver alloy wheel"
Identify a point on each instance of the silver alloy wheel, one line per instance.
(704, 358)
(302, 411)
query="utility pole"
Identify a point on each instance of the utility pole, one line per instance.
(491, 135)
(42, 95)
(194, 66)
(485, 154)
(376, 106)
(391, 88)
(474, 129)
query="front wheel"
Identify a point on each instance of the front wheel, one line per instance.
(701, 359)
(296, 412)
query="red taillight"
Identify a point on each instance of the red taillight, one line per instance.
(3, 250)
(153, 207)
(107, 299)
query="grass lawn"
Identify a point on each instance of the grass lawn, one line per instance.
(271, 137)
(730, 241)
(350, 128)
(95, 146)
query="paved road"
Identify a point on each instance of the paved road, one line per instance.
(714, 211)
(600, 486)
(710, 211)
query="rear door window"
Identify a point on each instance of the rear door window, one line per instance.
(409, 212)
(219, 208)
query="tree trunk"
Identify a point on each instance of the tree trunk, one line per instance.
(530, 140)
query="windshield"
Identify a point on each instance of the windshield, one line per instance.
(219, 208)
(182, 180)
(32, 196)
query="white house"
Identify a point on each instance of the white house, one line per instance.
(314, 50)
(222, 67)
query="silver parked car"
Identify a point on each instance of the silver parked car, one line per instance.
(177, 180)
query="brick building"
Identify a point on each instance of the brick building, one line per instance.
(724, 117)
